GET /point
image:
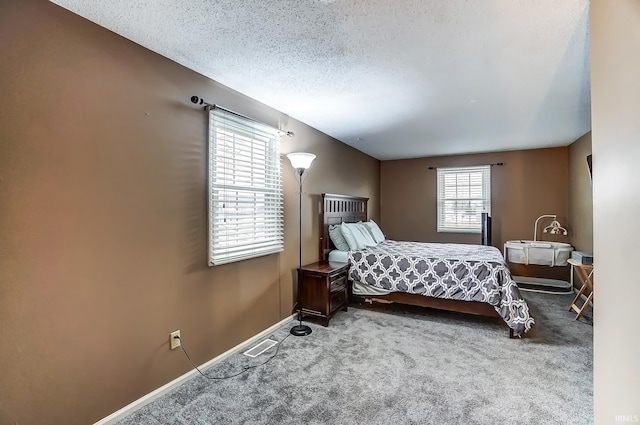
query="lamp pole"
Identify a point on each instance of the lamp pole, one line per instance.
(300, 173)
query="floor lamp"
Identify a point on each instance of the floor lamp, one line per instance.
(300, 161)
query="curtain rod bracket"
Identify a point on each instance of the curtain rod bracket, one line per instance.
(200, 101)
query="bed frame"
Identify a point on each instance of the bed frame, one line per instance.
(338, 209)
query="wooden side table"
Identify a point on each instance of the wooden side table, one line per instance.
(323, 289)
(584, 272)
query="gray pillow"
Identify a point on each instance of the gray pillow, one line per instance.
(335, 233)
(373, 227)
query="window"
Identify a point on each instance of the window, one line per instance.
(463, 194)
(245, 191)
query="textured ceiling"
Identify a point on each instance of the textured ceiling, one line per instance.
(394, 79)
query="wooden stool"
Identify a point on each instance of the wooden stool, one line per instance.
(585, 275)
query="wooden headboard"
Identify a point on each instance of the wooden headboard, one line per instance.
(338, 209)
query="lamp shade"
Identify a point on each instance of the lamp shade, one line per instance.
(301, 160)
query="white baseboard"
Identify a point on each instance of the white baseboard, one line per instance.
(146, 399)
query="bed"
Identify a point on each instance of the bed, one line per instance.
(472, 279)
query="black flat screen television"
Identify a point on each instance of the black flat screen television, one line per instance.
(590, 166)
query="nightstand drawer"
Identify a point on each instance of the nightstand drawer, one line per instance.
(339, 284)
(338, 299)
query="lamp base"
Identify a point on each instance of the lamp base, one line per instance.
(300, 330)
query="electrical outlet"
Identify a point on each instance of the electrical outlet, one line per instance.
(173, 341)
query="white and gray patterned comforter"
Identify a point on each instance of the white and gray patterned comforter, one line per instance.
(452, 271)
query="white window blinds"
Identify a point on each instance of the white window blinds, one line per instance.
(463, 194)
(245, 191)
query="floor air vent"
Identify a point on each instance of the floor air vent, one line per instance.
(260, 348)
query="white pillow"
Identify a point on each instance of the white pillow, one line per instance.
(335, 234)
(357, 236)
(377, 234)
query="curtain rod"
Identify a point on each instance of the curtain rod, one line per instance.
(499, 164)
(207, 106)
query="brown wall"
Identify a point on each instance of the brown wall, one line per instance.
(529, 184)
(580, 195)
(103, 246)
(615, 108)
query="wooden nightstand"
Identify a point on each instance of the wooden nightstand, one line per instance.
(323, 289)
